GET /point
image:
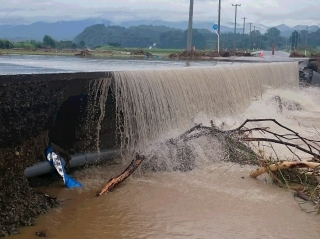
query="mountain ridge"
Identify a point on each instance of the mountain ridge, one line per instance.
(68, 30)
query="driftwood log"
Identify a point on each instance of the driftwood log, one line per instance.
(114, 181)
(284, 165)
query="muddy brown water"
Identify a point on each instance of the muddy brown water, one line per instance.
(215, 200)
(204, 203)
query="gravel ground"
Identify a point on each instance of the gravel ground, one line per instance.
(19, 203)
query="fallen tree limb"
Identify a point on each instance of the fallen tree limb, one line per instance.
(312, 145)
(283, 165)
(284, 143)
(114, 181)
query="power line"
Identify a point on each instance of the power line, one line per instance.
(241, 12)
(223, 11)
(235, 23)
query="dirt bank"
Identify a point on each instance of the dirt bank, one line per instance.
(317, 63)
(296, 54)
(19, 203)
(32, 109)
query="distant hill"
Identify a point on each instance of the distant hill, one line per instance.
(283, 28)
(287, 32)
(62, 30)
(133, 36)
(68, 30)
(183, 25)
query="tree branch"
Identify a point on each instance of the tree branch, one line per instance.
(136, 161)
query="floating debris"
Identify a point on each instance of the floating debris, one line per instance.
(205, 54)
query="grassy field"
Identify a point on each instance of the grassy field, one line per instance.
(104, 52)
(152, 50)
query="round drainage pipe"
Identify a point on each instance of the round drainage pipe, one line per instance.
(76, 161)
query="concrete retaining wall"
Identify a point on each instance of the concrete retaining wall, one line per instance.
(33, 107)
(31, 104)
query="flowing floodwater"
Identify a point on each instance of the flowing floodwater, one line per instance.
(151, 102)
(214, 200)
(38, 64)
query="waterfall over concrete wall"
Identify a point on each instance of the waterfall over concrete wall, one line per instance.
(151, 102)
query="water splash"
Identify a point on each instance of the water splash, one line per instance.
(98, 94)
(150, 103)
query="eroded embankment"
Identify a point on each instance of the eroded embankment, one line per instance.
(31, 108)
(19, 203)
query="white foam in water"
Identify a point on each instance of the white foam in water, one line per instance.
(153, 102)
(154, 105)
(205, 150)
(300, 112)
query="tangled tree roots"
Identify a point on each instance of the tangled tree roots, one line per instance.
(299, 174)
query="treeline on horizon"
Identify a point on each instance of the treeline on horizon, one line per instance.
(47, 42)
(145, 36)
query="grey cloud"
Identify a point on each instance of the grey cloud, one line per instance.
(205, 10)
(13, 20)
(9, 9)
(290, 18)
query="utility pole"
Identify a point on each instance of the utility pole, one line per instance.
(244, 24)
(286, 43)
(254, 37)
(189, 40)
(244, 27)
(218, 33)
(250, 36)
(219, 16)
(235, 23)
(305, 48)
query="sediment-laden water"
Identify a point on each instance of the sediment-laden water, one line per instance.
(214, 200)
(38, 64)
(151, 102)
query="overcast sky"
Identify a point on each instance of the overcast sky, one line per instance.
(266, 12)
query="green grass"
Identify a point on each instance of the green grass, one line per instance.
(104, 52)
(153, 50)
(34, 52)
(163, 51)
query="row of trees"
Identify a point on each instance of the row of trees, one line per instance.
(144, 36)
(47, 42)
(257, 40)
(169, 38)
